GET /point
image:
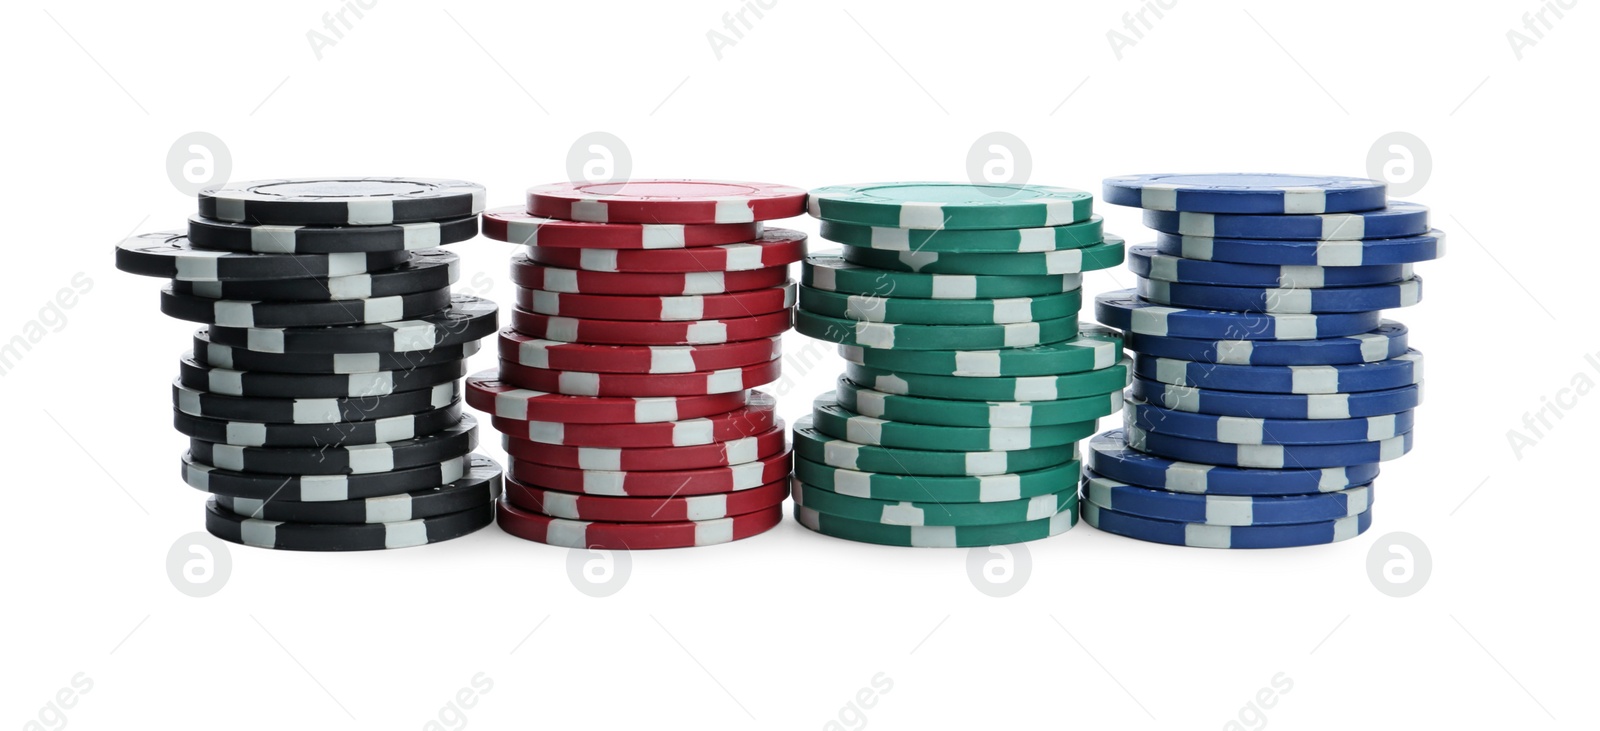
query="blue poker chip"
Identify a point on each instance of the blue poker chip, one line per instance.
(1397, 220)
(1224, 509)
(1397, 372)
(1201, 535)
(1387, 340)
(1147, 262)
(1109, 455)
(1126, 311)
(1267, 456)
(1277, 405)
(1252, 430)
(1275, 193)
(1362, 253)
(1282, 300)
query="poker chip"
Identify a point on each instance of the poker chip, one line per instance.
(480, 486)
(656, 483)
(1397, 219)
(931, 205)
(578, 506)
(249, 314)
(1268, 456)
(259, 434)
(170, 255)
(997, 388)
(832, 273)
(1201, 535)
(1388, 340)
(1149, 263)
(229, 526)
(1306, 252)
(895, 310)
(342, 201)
(666, 201)
(1397, 372)
(758, 416)
(525, 273)
(831, 419)
(1274, 193)
(1111, 455)
(204, 377)
(242, 359)
(635, 536)
(950, 412)
(890, 512)
(1126, 311)
(1353, 405)
(578, 383)
(320, 488)
(940, 489)
(487, 393)
(661, 308)
(456, 441)
(467, 318)
(997, 240)
(518, 348)
(1279, 300)
(514, 225)
(627, 332)
(1104, 255)
(934, 337)
(1095, 348)
(775, 247)
(1213, 510)
(424, 271)
(935, 536)
(201, 403)
(1250, 430)
(210, 233)
(811, 444)
(717, 454)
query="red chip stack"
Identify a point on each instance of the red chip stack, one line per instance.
(646, 313)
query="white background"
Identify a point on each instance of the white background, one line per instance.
(783, 630)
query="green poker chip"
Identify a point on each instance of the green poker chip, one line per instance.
(832, 273)
(818, 447)
(939, 489)
(982, 414)
(951, 205)
(1094, 349)
(1001, 388)
(828, 417)
(992, 240)
(909, 513)
(934, 536)
(899, 310)
(1067, 261)
(934, 337)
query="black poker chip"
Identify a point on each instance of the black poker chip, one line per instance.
(422, 272)
(319, 488)
(211, 233)
(245, 313)
(353, 460)
(482, 484)
(228, 526)
(336, 201)
(242, 359)
(311, 410)
(337, 434)
(169, 255)
(468, 318)
(203, 377)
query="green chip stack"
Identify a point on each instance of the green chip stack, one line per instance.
(969, 381)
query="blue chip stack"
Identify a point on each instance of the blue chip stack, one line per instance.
(1267, 387)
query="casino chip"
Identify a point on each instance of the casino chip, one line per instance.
(775, 247)
(1266, 388)
(322, 400)
(951, 205)
(666, 201)
(514, 225)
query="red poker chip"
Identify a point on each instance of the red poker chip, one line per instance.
(776, 247)
(580, 383)
(487, 393)
(538, 353)
(654, 483)
(667, 201)
(634, 536)
(526, 273)
(515, 226)
(720, 454)
(630, 332)
(669, 308)
(577, 506)
(759, 416)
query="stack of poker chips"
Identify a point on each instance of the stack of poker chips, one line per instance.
(321, 397)
(647, 311)
(968, 380)
(1267, 387)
